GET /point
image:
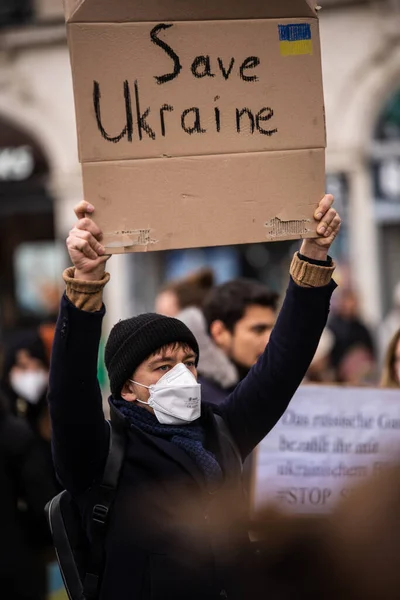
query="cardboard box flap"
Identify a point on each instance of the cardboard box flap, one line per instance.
(70, 8)
(105, 11)
(314, 6)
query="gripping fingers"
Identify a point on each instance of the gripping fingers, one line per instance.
(86, 243)
(87, 224)
(335, 226)
(91, 238)
(323, 206)
(82, 208)
(327, 224)
(331, 232)
(336, 231)
(84, 247)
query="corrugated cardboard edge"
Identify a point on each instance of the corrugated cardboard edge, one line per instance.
(278, 229)
(144, 240)
(129, 239)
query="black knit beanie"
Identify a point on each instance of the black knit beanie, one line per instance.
(132, 340)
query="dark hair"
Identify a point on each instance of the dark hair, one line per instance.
(228, 302)
(28, 340)
(172, 347)
(192, 289)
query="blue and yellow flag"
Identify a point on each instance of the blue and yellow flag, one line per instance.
(295, 39)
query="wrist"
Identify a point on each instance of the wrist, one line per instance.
(85, 293)
(95, 275)
(306, 272)
(311, 250)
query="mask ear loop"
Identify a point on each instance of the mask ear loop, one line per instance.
(143, 402)
(148, 403)
(141, 385)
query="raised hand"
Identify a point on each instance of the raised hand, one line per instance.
(84, 245)
(328, 228)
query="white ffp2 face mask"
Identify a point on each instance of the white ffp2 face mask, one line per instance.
(176, 397)
(30, 385)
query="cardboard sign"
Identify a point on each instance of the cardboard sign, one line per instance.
(199, 124)
(328, 440)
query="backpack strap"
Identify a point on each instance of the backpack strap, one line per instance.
(64, 552)
(225, 432)
(101, 510)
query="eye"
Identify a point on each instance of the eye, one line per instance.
(190, 363)
(260, 329)
(163, 368)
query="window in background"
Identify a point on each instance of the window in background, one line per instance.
(38, 267)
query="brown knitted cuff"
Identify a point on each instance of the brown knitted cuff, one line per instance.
(85, 295)
(306, 274)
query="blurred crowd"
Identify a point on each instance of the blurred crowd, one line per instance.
(350, 352)
(232, 323)
(27, 478)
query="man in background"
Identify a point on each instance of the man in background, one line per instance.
(232, 329)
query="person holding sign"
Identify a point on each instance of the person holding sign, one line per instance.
(181, 472)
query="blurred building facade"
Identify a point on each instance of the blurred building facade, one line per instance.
(40, 175)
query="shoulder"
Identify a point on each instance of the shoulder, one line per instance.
(212, 392)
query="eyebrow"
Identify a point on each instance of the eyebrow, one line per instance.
(169, 359)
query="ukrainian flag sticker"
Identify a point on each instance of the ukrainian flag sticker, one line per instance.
(295, 39)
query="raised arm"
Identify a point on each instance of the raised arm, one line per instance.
(259, 401)
(79, 432)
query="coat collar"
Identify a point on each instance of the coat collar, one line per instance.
(178, 455)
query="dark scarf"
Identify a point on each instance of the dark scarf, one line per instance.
(188, 437)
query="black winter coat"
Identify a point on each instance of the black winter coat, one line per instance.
(24, 477)
(168, 538)
(212, 391)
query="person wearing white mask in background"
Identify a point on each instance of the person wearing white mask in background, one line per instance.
(24, 384)
(26, 485)
(25, 451)
(25, 375)
(181, 472)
